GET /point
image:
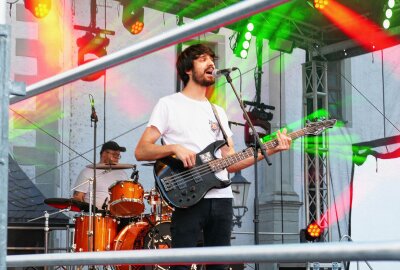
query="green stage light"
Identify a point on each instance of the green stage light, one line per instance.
(243, 41)
(388, 14)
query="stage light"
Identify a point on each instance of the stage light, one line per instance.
(260, 119)
(320, 4)
(281, 44)
(39, 8)
(243, 41)
(386, 24)
(132, 17)
(312, 233)
(91, 47)
(388, 14)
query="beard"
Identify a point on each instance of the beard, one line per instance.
(201, 80)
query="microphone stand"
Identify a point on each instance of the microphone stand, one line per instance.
(257, 146)
(92, 207)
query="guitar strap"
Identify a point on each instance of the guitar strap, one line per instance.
(219, 123)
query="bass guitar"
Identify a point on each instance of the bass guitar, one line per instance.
(182, 187)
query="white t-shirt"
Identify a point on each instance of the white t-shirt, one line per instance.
(104, 179)
(192, 124)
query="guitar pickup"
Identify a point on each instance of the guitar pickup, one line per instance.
(197, 177)
(182, 185)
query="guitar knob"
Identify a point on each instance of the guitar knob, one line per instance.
(193, 189)
(184, 192)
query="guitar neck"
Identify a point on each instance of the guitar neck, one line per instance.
(222, 163)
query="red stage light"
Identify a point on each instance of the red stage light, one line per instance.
(137, 27)
(39, 8)
(133, 18)
(91, 47)
(320, 4)
(313, 232)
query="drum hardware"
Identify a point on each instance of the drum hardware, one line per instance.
(92, 202)
(46, 217)
(109, 166)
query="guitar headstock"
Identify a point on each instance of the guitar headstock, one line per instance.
(316, 128)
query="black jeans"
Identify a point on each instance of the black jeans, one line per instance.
(212, 217)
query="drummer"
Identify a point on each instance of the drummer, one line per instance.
(110, 154)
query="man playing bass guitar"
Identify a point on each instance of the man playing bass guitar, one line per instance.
(188, 123)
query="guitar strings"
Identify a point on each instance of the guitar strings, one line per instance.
(186, 176)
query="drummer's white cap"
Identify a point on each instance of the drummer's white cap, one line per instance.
(111, 145)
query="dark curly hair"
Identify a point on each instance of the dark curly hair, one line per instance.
(186, 58)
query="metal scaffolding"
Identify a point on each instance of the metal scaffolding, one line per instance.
(316, 162)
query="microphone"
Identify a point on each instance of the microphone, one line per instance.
(219, 72)
(93, 116)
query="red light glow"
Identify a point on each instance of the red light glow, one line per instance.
(366, 33)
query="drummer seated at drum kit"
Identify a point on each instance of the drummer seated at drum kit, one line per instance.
(120, 224)
(110, 155)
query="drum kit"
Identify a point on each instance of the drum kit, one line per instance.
(126, 207)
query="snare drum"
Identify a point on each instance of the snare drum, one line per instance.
(126, 198)
(105, 230)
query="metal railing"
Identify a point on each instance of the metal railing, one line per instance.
(321, 252)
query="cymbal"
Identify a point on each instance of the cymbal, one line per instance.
(148, 164)
(64, 203)
(105, 166)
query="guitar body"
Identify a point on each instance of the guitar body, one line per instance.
(183, 187)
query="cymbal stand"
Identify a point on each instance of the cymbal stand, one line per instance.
(92, 196)
(46, 217)
(90, 232)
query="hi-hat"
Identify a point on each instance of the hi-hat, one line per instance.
(105, 166)
(64, 203)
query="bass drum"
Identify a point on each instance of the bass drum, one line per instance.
(139, 235)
